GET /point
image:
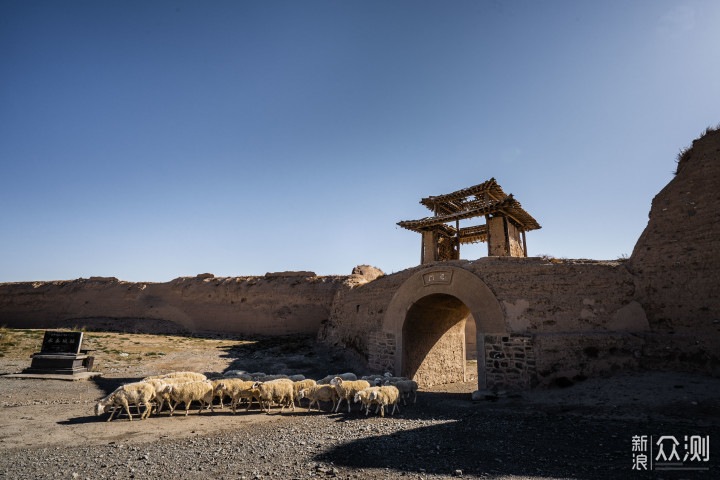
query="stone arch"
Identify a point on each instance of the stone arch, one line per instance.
(428, 311)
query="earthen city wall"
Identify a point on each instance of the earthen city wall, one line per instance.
(539, 321)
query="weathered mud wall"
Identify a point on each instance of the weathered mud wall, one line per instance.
(274, 304)
(546, 303)
(677, 258)
(570, 319)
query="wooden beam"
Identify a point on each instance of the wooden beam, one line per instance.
(524, 243)
(520, 224)
(457, 229)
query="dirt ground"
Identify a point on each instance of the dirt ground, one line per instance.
(51, 414)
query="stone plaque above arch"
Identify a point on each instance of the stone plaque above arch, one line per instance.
(434, 277)
(457, 282)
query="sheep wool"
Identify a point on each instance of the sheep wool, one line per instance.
(238, 390)
(126, 395)
(347, 389)
(189, 392)
(406, 388)
(279, 391)
(345, 376)
(300, 385)
(319, 393)
(363, 396)
(385, 396)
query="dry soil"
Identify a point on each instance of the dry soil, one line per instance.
(48, 430)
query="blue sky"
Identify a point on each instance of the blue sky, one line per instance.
(149, 140)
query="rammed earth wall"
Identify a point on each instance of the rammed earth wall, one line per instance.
(539, 321)
(274, 304)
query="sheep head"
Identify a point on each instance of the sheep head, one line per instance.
(99, 408)
(336, 381)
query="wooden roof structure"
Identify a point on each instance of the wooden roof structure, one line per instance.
(485, 199)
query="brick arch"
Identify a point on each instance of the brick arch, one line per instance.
(428, 312)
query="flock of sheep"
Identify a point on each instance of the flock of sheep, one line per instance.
(175, 388)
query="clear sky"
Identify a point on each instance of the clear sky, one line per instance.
(149, 140)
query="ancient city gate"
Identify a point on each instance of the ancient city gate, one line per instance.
(427, 315)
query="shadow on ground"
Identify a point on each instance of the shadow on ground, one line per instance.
(504, 438)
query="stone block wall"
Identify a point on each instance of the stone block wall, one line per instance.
(510, 362)
(381, 352)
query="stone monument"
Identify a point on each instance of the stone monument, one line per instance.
(60, 355)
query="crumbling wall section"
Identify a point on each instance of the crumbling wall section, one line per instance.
(274, 304)
(676, 262)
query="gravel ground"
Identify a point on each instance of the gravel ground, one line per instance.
(48, 431)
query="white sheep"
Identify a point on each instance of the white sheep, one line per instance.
(319, 393)
(345, 376)
(238, 389)
(188, 376)
(279, 391)
(189, 392)
(241, 374)
(363, 396)
(126, 395)
(385, 396)
(217, 392)
(347, 389)
(406, 388)
(373, 378)
(387, 378)
(301, 384)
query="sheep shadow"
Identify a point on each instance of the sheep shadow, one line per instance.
(84, 420)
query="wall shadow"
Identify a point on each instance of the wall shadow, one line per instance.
(491, 440)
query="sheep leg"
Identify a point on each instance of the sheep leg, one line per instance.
(112, 412)
(127, 408)
(382, 409)
(148, 407)
(338, 405)
(348, 402)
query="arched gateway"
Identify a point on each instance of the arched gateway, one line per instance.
(427, 316)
